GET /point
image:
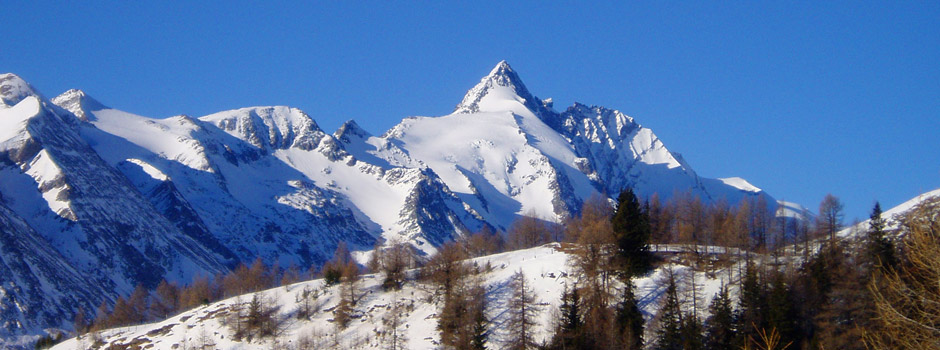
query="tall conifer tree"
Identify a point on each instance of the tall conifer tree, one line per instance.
(880, 249)
(630, 319)
(631, 227)
(669, 334)
(719, 327)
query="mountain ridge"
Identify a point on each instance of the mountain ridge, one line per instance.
(183, 196)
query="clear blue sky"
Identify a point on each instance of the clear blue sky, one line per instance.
(800, 99)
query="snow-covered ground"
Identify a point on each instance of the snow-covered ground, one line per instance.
(546, 268)
(891, 215)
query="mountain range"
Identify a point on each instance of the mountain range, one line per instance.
(94, 200)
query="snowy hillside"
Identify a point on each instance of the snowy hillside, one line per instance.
(123, 199)
(905, 207)
(546, 269)
(892, 215)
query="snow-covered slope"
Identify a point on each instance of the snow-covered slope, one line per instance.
(892, 215)
(297, 190)
(905, 207)
(231, 190)
(546, 268)
(76, 232)
(40, 287)
(122, 199)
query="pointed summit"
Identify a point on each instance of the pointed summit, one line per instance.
(350, 130)
(503, 69)
(14, 89)
(501, 90)
(79, 103)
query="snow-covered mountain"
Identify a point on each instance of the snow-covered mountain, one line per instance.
(94, 200)
(505, 152)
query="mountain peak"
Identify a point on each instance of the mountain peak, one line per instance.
(14, 89)
(350, 129)
(502, 84)
(79, 103)
(502, 68)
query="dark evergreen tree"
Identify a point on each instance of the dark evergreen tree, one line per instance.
(631, 225)
(691, 332)
(669, 334)
(818, 276)
(781, 313)
(571, 311)
(570, 331)
(751, 316)
(719, 327)
(630, 319)
(462, 323)
(478, 342)
(478, 332)
(333, 270)
(814, 284)
(846, 306)
(571, 327)
(880, 249)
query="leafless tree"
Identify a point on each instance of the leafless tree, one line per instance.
(197, 293)
(204, 341)
(395, 338)
(291, 275)
(166, 299)
(308, 301)
(375, 259)
(830, 216)
(482, 243)
(528, 231)
(690, 222)
(594, 259)
(660, 220)
(446, 268)
(348, 294)
(523, 313)
(395, 260)
(80, 322)
(761, 222)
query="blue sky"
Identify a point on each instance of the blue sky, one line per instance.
(801, 99)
